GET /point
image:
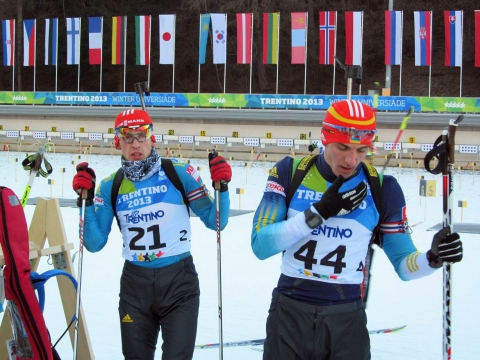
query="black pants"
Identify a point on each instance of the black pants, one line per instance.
(166, 298)
(298, 331)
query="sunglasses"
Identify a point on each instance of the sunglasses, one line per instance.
(128, 135)
(352, 133)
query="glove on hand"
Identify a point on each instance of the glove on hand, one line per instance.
(220, 171)
(84, 179)
(446, 247)
(334, 203)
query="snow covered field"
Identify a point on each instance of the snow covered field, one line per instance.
(247, 282)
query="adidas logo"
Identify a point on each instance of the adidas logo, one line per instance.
(273, 172)
(127, 319)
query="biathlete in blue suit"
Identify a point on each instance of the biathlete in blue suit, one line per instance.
(317, 311)
(159, 286)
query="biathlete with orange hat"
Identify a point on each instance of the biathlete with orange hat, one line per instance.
(159, 285)
(317, 311)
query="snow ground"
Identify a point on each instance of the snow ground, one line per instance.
(247, 282)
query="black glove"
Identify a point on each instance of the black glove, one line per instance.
(334, 203)
(446, 247)
(84, 179)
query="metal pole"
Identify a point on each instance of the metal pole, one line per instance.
(251, 51)
(388, 68)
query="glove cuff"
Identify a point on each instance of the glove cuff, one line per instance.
(433, 260)
(223, 186)
(88, 202)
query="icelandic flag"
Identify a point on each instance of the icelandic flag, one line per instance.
(204, 30)
(95, 35)
(453, 37)
(299, 40)
(29, 42)
(353, 37)
(423, 38)
(328, 37)
(51, 41)
(8, 37)
(73, 41)
(393, 37)
(219, 30)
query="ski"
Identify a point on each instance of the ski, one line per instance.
(262, 341)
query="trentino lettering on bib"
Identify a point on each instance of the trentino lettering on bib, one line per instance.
(335, 251)
(153, 219)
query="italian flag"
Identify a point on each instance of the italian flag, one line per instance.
(142, 39)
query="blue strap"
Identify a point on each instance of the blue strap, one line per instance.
(38, 282)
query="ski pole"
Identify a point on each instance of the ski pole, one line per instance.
(212, 155)
(403, 126)
(444, 150)
(79, 276)
(32, 163)
(448, 137)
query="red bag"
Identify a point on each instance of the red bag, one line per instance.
(18, 287)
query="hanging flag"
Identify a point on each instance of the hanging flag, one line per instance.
(118, 39)
(167, 39)
(393, 37)
(219, 31)
(271, 25)
(477, 38)
(423, 38)
(8, 40)
(51, 41)
(328, 37)
(204, 30)
(244, 38)
(95, 40)
(142, 39)
(299, 41)
(29, 42)
(353, 37)
(453, 37)
(73, 41)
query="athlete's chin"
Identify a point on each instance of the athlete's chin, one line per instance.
(346, 173)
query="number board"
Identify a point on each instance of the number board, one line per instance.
(203, 133)
(171, 132)
(235, 134)
(269, 135)
(303, 136)
(82, 130)
(54, 128)
(27, 128)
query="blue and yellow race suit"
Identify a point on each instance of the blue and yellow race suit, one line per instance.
(325, 265)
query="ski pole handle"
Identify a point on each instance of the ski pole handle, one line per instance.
(452, 129)
(213, 154)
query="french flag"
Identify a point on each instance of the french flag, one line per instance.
(393, 37)
(29, 42)
(453, 37)
(95, 37)
(353, 37)
(423, 38)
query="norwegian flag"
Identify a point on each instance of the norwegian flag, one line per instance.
(328, 37)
